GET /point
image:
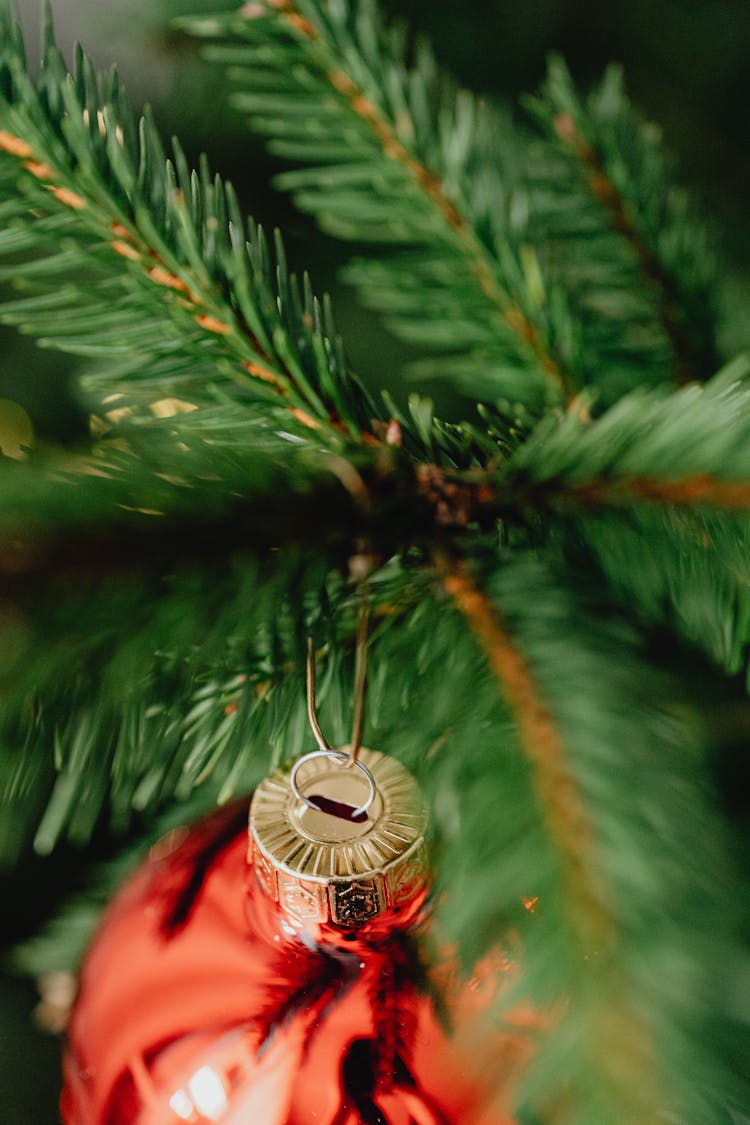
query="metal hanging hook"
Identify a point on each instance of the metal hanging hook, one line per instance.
(360, 675)
(311, 708)
(360, 685)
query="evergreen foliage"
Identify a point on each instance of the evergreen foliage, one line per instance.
(524, 566)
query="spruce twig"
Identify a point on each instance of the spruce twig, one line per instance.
(623, 1049)
(481, 264)
(621, 163)
(542, 744)
(415, 127)
(671, 315)
(193, 285)
(688, 449)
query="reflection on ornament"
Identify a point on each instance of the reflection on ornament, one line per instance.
(201, 1001)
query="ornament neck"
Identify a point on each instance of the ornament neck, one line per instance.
(332, 844)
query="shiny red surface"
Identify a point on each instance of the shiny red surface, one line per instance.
(199, 1003)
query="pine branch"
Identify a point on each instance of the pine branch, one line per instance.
(204, 485)
(174, 498)
(682, 569)
(148, 710)
(146, 581)
(396, 157)
(124, 695)
(689, 449)
(138, 583)
(542, 744)
(147, 268)
(618, 158)
(590, 721)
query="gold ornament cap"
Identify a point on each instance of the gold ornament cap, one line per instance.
(336, 841)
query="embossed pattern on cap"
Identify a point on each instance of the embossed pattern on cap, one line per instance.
(322, 867)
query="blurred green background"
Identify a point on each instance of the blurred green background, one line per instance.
(686, 63)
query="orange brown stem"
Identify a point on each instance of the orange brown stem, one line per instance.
(128, 244)
(432, 186)
(621, 1041)
(602, 187)
(16, 146)
(701, 488)
(556, 788)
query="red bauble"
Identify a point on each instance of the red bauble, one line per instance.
(200, 1003)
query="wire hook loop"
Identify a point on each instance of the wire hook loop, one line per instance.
(344, 760)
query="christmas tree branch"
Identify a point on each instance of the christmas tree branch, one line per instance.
(622, 165)
(689, 491)
(654, 272)
(202, 485)
(688, 449)
(542, 744)
(180, 679)
(632, 1045)
(161, 282)
(685, 570)
(561, 806)
(329, 84)
(187, 681)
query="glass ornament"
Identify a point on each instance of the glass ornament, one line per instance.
(282, 982)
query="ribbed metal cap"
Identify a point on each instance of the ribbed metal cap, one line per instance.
(321, 866)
